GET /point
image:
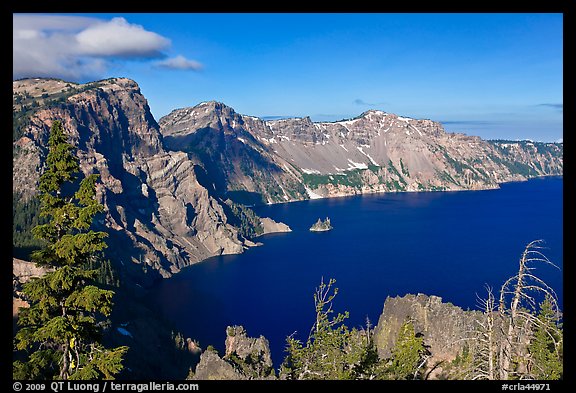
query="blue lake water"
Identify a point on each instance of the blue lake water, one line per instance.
(448, 244)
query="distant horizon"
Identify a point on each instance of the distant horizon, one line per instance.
(493, 75)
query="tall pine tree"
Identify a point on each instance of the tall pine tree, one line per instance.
(546, 344)
(61, 330)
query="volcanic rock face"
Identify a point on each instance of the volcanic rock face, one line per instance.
(169, 188)
(158, 213)
(239, 344)
(236, 158)
(213, 368)
(445, 328)
(245, 358)
(275, 161)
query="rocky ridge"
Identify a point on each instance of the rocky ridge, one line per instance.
(374, 152)
(161, 210)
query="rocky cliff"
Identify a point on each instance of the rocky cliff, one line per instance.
(236, 158)
(282, 160)
(162, 209)
(245, 358)
(444, 327)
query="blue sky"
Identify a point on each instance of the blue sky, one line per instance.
(492, 75)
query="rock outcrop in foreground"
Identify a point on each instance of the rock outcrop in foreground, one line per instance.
(445, 329)
(245, 358)
(443, 326)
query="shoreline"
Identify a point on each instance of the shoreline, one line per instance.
(497, 187)
(359, 195)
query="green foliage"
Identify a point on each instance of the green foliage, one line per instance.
(407, 353)
(394, 185)
(546, 345)
(25, 216)
(20, 119)
(332, 350)
(445, 176)
(373, 168)
(106, 274)
(394, 171)
(459, 166)
(253, 366)
(356, 178)
(244, 219)
(39, 363)
(404, 168)
(60, 331)
(461, 367)
(512, 152)
(514, 340)
(313, 180)
(541, 147)
(520, 168)
(352, 178)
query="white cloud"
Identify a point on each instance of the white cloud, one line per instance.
(179, 63)
(76, 48)
(120, 38)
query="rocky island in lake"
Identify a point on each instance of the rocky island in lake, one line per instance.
(321, 226)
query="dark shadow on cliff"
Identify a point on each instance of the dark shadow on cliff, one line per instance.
(247, 198)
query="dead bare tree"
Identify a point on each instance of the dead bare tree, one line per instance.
(499, 344)
(517, 307)
(484, 366)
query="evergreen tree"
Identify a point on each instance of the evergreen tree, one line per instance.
(61, 329)
(546, 345)
(408, 352)
(332, 350)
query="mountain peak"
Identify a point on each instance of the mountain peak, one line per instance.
(373, 112)
(214, 105)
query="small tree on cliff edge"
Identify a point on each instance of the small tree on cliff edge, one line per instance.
(60, 330)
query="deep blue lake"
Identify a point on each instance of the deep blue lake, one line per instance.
(448, 244)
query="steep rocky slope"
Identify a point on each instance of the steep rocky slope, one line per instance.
(278, 160)
(230, 148)
(162, 211)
